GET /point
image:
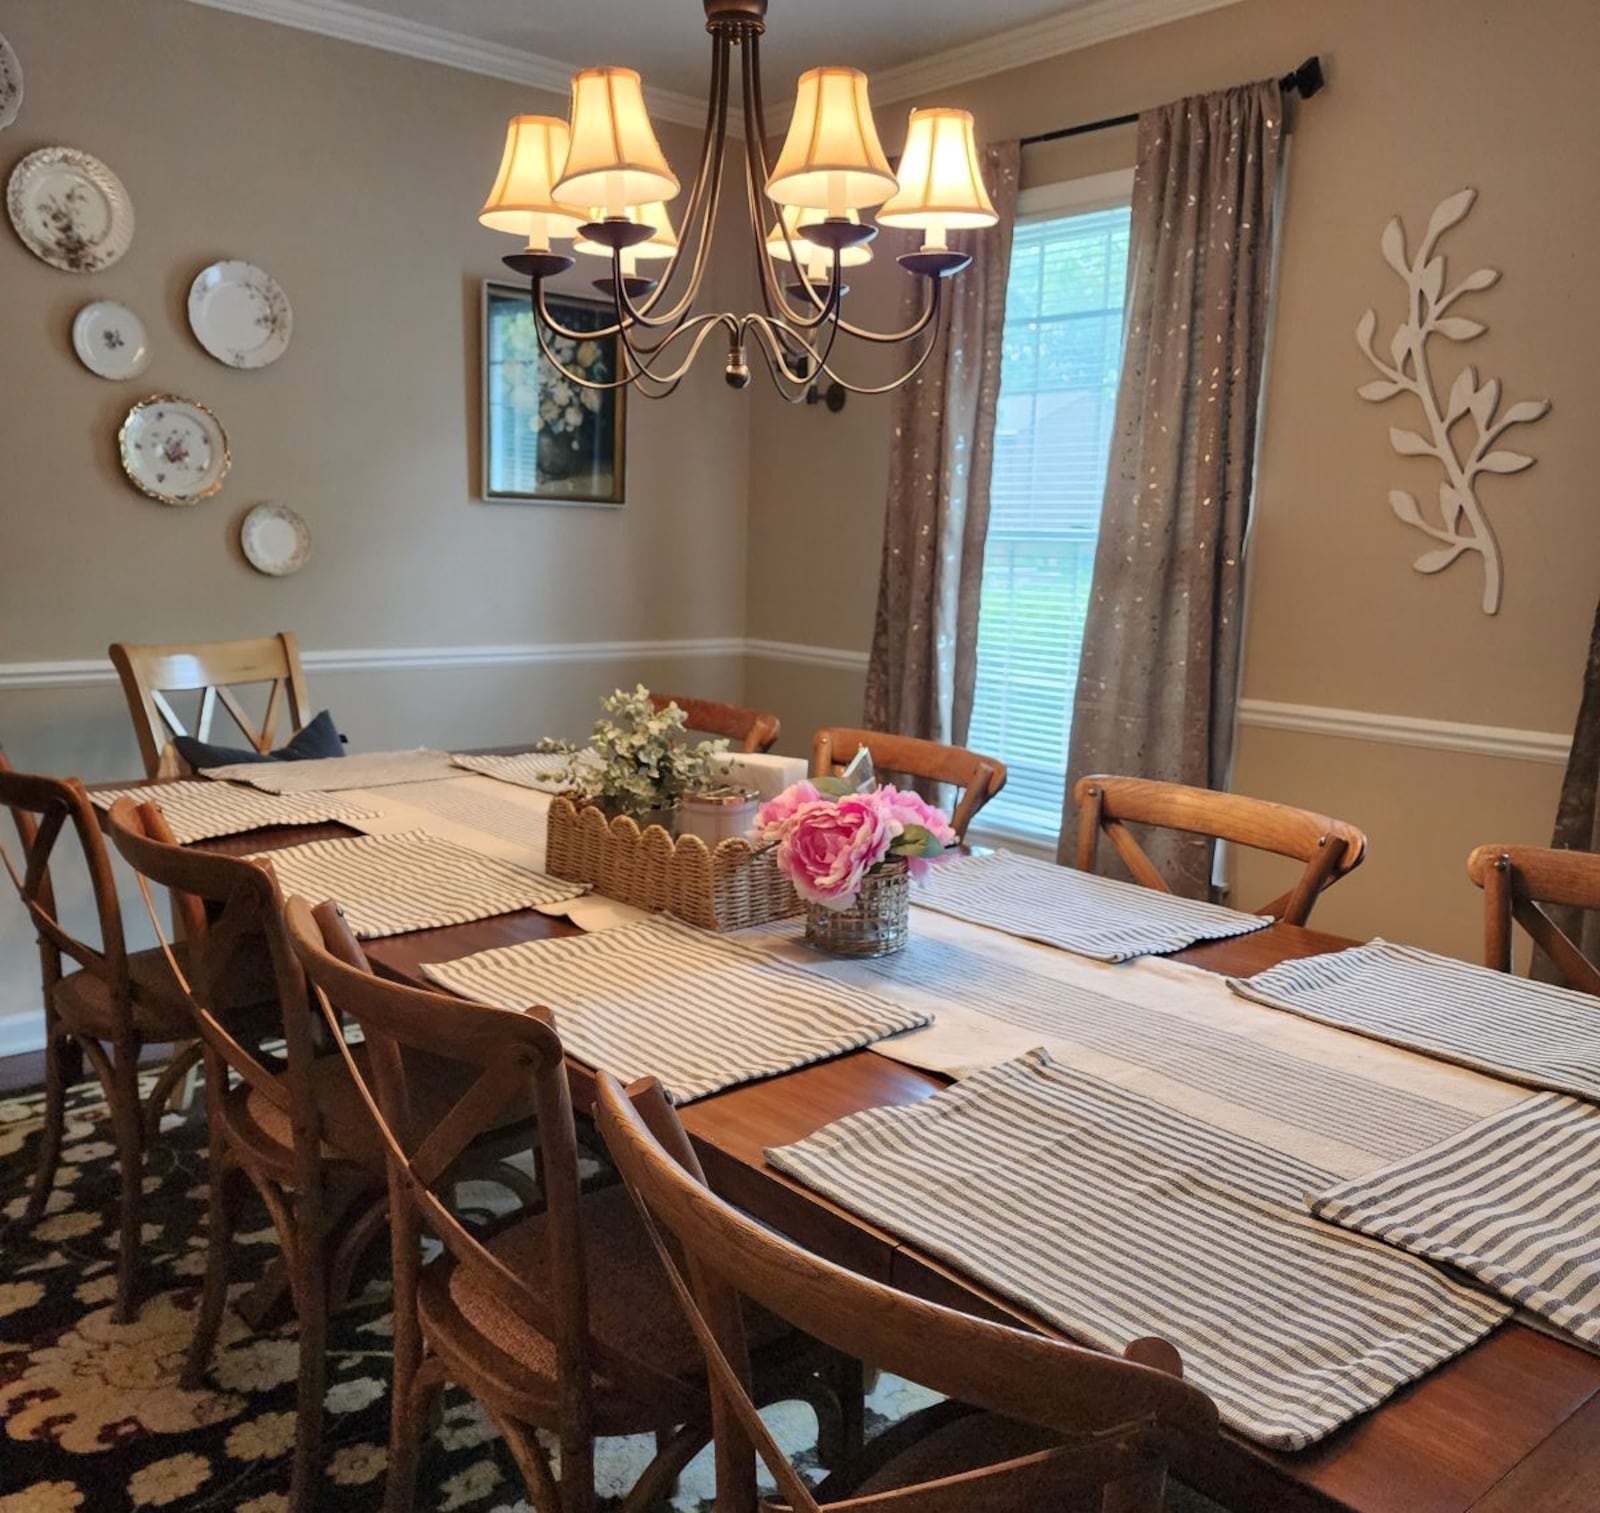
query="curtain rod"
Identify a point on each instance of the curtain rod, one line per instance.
(1304, 81)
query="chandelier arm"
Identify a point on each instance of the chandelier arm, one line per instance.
(700, 213)
(930, 346)
(790, 389)
(609, 385)
(698, 329)
(544, 318)
(773, 298)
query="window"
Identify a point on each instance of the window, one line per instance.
(1058, 390)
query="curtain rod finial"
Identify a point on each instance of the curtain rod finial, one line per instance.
(1306, 80)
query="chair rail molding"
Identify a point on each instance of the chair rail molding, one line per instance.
(1263, 714)
(1407, 730)
(88, 671)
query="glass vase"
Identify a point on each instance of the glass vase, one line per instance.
(878, 923)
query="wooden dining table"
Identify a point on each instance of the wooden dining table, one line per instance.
(1510, 1426)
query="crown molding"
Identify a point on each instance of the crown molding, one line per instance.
(1082, 26)
(434, 44)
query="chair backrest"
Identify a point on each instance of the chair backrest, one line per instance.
(42, 808)
(513, 1055)
(1329, 848)
(214, 669)
(1127, 1415)
(749, 729)
(245, 909)
(1516, 880)
(978, 777)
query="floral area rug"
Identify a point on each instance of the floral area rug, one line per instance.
(94, 1419)
(91, 1414)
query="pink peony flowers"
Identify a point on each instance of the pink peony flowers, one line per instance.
(828, 842)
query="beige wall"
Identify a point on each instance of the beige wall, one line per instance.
(1424, 98)
(354, 177)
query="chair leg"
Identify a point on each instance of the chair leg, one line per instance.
(311, 1307)
(529, 1455)
(655, 1484)
(415, 1395)
(55, 1118)
(172, 1088)
(222, 1210)
(128, 1123)
(577, 1477)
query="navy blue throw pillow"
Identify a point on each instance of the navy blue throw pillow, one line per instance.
(320, 738)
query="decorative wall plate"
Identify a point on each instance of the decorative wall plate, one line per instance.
(10, 84)
(70, 209)
(275, 540)
(110, 341)
(174, 449)
(239, 314)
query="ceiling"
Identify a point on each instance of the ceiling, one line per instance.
(666, 41)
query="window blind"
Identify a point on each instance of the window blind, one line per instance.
(1062, 356)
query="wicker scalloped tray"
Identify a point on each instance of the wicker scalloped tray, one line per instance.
(728, 888)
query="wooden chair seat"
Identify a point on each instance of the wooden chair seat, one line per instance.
(631, 1311)
(158, 1007)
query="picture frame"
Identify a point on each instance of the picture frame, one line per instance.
(547, 440)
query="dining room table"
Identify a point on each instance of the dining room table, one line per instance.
(1511, 1425)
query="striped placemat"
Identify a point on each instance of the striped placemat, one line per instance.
(696, 1010)
(548, 771)
(1513, 1201)
(1111, 1216)
(200, 811)
(1075, 911)
(329, 774)
(389, 884)
(1528, 1032)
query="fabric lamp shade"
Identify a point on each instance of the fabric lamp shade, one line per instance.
(663, 240)
(521, 201)
(941, 182)
(818, 260)
(615, 160)
(832, 160)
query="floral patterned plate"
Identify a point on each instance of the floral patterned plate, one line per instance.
(70, 209)
(10, 84)
(239, 314)
(174, 450)
(110, 341)
(275, 540)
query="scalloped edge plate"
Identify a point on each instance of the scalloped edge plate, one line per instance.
(267, 556)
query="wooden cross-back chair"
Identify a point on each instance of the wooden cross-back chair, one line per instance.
(978, 777)
(293, 1126)
(1516, 882)
(1329, 848)
(214, 669)
(561, 1321)
(1031, 1423)
(750, 730)
(103, 1003)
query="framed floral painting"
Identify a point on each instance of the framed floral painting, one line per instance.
(544, 437)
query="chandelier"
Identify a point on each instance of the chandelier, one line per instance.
(602, 181)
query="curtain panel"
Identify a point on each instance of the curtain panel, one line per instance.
(1158, 680)
(1578, 813)
(924, 659)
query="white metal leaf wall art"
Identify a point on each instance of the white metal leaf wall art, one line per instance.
(1463, 432)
